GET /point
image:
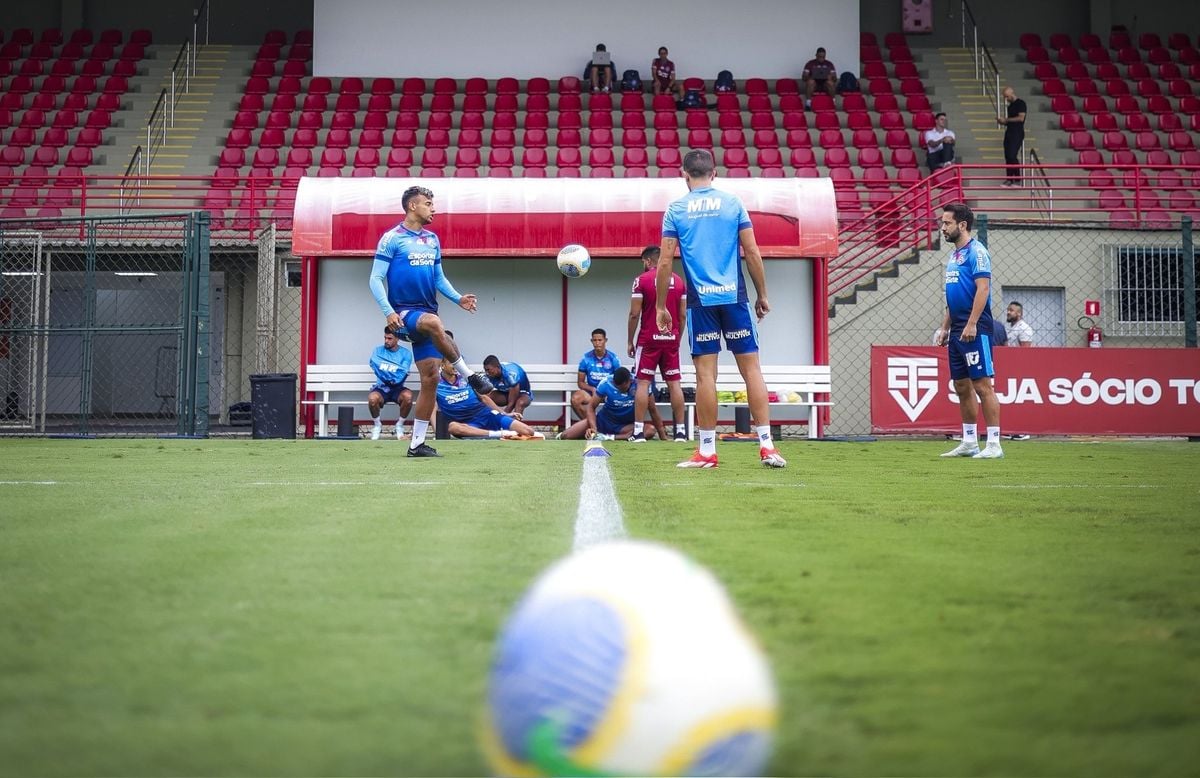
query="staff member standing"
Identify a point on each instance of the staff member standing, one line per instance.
(1014, 135)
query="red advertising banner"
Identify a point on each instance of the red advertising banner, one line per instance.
(1044, 391)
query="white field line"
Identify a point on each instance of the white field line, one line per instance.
(346, 483)
(30, 483)
(598, 517)
(1089, 487)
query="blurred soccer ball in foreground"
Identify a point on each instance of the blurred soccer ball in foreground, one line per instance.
(628, 658)
(574, 261)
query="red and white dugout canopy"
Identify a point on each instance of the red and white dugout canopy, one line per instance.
(506, 217)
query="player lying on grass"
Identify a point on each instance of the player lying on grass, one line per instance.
(474, 415)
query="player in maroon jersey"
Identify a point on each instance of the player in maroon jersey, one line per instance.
(654, 351)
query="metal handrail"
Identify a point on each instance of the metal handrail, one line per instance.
(183, 71)
(1041, 187)
(987, 72)
(133, 181)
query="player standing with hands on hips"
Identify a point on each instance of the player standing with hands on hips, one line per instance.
(709, 227)
(967, 329)
(405, 280)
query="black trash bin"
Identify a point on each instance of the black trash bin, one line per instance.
(273, 405)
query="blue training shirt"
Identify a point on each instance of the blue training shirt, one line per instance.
(511, 374)
(965, 265)
(457, 400)
(407, 273)
(618, 406)
(596, 369)
(706, 223)
(391, 367)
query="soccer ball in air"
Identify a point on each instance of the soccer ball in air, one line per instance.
(574, 261)
(627, 658)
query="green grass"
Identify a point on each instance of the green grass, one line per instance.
(165, 612)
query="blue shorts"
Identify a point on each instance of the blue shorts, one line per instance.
(971, 360)
(609, 426)
(734, 322)
(491, 420)
(390, 392)
(422, 345)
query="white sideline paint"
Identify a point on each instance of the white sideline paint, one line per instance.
(598, 517)
(28, 483)
(346, 483)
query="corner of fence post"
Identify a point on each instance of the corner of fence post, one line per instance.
(1189, 284)
(981, 228)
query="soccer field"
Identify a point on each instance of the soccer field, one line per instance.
(225, 607)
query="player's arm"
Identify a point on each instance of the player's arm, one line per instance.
(754, 266)
(596, 401)
(1025, 339)
(942, 336)
(487, 400)
(635, 316)
(581, 381)
(662, 279)
(383, 376)
(378, 285)
(682, 312)
(468, 302)
(983, 286)
(514, 392)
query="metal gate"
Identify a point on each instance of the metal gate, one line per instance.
(104, 325)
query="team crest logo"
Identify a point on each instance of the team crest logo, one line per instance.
(912, 382)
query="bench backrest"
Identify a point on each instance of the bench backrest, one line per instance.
(562, 378)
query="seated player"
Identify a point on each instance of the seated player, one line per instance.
(391, 364)
(610, 414)
(512, 391)
(594, 367)
(474, 415)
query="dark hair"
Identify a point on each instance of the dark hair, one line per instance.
(387, 330)
(601, 47)
(939, 114)
(491, 361)
(411, 192)
(651, 251)
(820, 49)
(698, 163)
(962, 213)
(621, 375)
(450, 334)
(1020, 307)
(600, 331)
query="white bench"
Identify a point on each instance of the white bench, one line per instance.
(553, 384)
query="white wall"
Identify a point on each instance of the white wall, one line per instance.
(464, 38)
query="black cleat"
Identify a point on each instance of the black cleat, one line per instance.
(480, 383)
(423, 450)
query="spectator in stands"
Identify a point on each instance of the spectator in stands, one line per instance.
(1014, 135)
(939, 144)
(662, 71)
(512, 391)
(406, 278)
(596, 365)
(654, 351)
(600, 70)
(819, 73)
(391, 364)
(473, 415)
(1019, 333)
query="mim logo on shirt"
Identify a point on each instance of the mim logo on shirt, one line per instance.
(422, 258)
(704, 204)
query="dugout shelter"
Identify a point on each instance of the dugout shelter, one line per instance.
(499, 238)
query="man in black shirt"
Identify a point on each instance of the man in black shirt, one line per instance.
(1014, 135)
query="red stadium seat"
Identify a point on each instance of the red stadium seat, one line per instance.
(600, 157)
(600, 138)
(500, 158)
(1104, 122)
(534, 158)
(700, 139)
(503, 139)
(903, 158)
(635, 158)
(836, 157)
(466, 157)
(433, 159)
(897, 139)
(467, 139)
(668, 158)
(864, 139)
(1081, 141)
(667, 138)
(870, 157)
(1070, 122)
(798, 139)
(1180, 141)
(398, 159)
(570, 138)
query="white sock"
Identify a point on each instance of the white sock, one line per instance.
(970, 435)
(418, 435)
(708, 442)
(494, 433)
(764, 436)
(993, 434)
(377, 422)
(460, 365)
(638, 426)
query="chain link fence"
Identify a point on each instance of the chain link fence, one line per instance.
(136, 326)
(1145, 289)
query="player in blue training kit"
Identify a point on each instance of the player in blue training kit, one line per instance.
(610, 413)
(967, 330)
(512, 392)
(390, 364)
(405, 280)
(473, 415)
(596, 365)
(709, 227)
